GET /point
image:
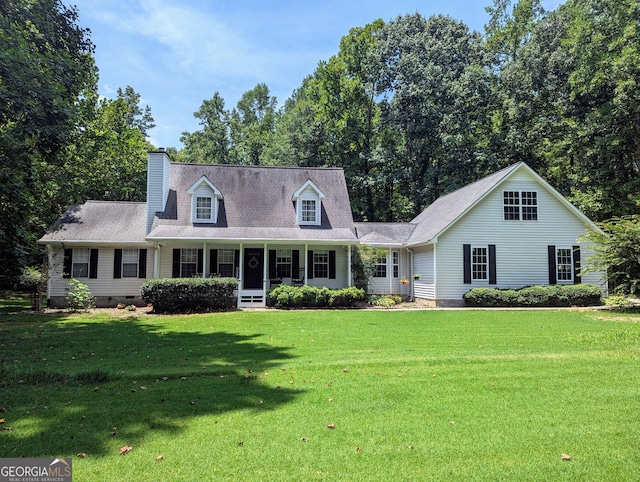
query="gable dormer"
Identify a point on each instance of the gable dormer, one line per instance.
(205, 199)
(308, 201)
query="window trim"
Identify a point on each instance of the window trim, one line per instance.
(318, 265)
(380, 270)
(395, 262)
(186, 263)
(483, 267)
(570, 264)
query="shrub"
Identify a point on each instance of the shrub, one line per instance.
(285, 296)
(79, 297)
(385, 301)
(189, 295)
(554, 295)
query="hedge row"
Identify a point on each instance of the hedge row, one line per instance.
(189, 295)
(285, 296)
(554, 295)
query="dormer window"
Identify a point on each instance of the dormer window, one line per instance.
(204, 201)
(308, 204)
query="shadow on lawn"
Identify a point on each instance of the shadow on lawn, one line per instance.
(89, 386)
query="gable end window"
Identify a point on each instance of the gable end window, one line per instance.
(520, 205)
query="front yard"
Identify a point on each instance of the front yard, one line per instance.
(325, 395)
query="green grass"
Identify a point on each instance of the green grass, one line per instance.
(413, 395)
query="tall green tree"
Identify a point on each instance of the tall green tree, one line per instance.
(45, 68)
(212, 143)
(438, 88)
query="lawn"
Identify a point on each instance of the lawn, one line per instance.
(325, 395)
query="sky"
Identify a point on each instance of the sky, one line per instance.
(178, 53)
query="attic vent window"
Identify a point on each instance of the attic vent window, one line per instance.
(308, 201)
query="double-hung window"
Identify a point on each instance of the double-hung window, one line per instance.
(188, 262)
(564, 265)
(321, 263)
(204, 208)
(283, 263)
(80, 265)
(520, 205)
(225, 262)
(396, 264)
(380, 270)
(479, 263)
(308, 211)
(130, 258)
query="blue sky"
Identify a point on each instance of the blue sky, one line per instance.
(177, 53)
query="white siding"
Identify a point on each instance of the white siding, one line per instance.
(521, 246)
(391, 284)
(104, 284)
(423, 258)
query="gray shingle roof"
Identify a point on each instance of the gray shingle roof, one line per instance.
(384, 233)
(100, 222)
(257, 204)
(447, 209)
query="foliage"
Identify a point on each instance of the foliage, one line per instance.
(363, 264)
(34, 280)
(285, 296)
(45, 67)
(385, 301)
(554, 295)
(617, 301)
(189, 295)
(617, 252)
(79, 297)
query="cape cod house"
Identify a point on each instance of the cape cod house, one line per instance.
(272, 225)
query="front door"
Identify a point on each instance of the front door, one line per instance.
(253, 268)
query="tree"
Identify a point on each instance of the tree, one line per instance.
(436, 80)
(45, 68)
(211, 144)
(617, 252)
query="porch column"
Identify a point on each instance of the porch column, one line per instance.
(306, 262)
(241, 262)
(390, 270)
(265, 271)
(349, 273)
(204, 260)
(156, 261)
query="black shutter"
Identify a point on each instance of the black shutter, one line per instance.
(577, 279)
(142, 263)
(295, 264)
(117, 263)
(310, 264)
(93, 264)
(200, 267)
(272, 264)
(68, 263)
(213, 262)
(332, 264)
(176, 263)
(466, 259)
(552, 265)
(492, 264)
(236, 263)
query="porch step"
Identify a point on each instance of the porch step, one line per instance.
(252, 299)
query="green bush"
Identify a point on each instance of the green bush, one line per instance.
(79, 297)
(385, 301)
(554, 295)
(285, 296)
(189, 295)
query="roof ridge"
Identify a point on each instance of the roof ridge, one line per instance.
(299, 168)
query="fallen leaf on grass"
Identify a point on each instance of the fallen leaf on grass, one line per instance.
(331, 425)
(81, 455)
(358, 449)
(305, 439)
(125, 449)
(160, 457)
(565, 457)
